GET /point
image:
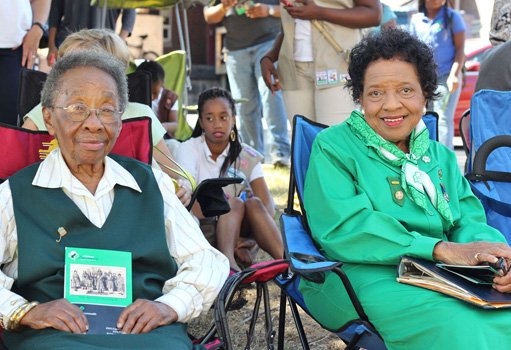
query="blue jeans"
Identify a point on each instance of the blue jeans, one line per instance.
(246, 81)
(445, 106)
(10, 67)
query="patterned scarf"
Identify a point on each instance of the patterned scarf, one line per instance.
(416, 183)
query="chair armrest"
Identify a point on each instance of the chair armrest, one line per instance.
(308, 262)
(479, 172)
(303, 254)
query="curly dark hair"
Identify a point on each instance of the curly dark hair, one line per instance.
(235, 149)
(389, 44)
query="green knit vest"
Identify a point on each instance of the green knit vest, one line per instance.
(135, 224)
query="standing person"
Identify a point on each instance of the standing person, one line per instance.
(69, 16)
(495, 71)
(312, 54)
(215, 150)
(251, 30)
(21, 28)
(444, 30)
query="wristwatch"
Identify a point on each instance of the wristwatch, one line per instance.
(271, 10)
(43, 27)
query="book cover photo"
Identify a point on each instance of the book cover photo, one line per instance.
(100, 283)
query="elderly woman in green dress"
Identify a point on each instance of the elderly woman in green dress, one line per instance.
(377, 188)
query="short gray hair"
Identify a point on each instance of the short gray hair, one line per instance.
(102, 61)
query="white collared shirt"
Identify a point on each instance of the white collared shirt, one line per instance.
(195, 156)
(201, 268)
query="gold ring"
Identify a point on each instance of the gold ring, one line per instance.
(476, 256)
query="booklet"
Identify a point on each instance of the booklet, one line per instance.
(480, 274)
(429, 275)
(100, 283)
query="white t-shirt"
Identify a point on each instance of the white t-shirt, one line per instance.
(303, 41)
(15, 22)
(194, 155)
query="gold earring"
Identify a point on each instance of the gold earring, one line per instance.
(233, 135)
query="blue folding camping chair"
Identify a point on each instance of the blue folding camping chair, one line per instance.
(306, 260)
(489, 156)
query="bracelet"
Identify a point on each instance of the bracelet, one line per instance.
(26, 308)
(19, 313)
(14, 315)
(265, 56)
(12, 325)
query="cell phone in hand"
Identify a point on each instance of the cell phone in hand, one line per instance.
(287, 3)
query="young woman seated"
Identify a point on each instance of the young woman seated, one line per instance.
(215, 150)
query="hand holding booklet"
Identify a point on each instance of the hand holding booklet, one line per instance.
(468, 283)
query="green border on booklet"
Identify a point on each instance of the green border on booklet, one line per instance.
(98, 276)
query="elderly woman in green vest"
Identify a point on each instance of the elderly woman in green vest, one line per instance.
(81, 197)
(377, 188)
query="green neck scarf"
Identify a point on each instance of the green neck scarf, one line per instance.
(416, 183)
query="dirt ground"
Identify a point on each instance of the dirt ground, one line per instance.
(239, 321)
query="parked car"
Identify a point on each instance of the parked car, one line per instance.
(472, 63)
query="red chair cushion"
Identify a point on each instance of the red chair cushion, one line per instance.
(22, 147)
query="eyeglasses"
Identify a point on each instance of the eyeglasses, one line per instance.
(79, 112)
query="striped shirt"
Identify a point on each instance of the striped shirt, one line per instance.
(201, 268)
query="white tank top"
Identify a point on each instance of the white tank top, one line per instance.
(15, 21)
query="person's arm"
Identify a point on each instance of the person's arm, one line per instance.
(202, 269)
(344, 222)
(29, 124)
(260, 10)
(30, 43)
(459, 58)
(216, 13)
(53, 51)
(342, 217)
(365, 13)
(34, 119)
(470, 234)
(128, 22)
(54, 19)
(268, 70)
(166, 112)
(9, 301)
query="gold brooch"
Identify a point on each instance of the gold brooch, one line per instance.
(62, 232)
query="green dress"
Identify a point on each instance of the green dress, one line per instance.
(358, 214)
